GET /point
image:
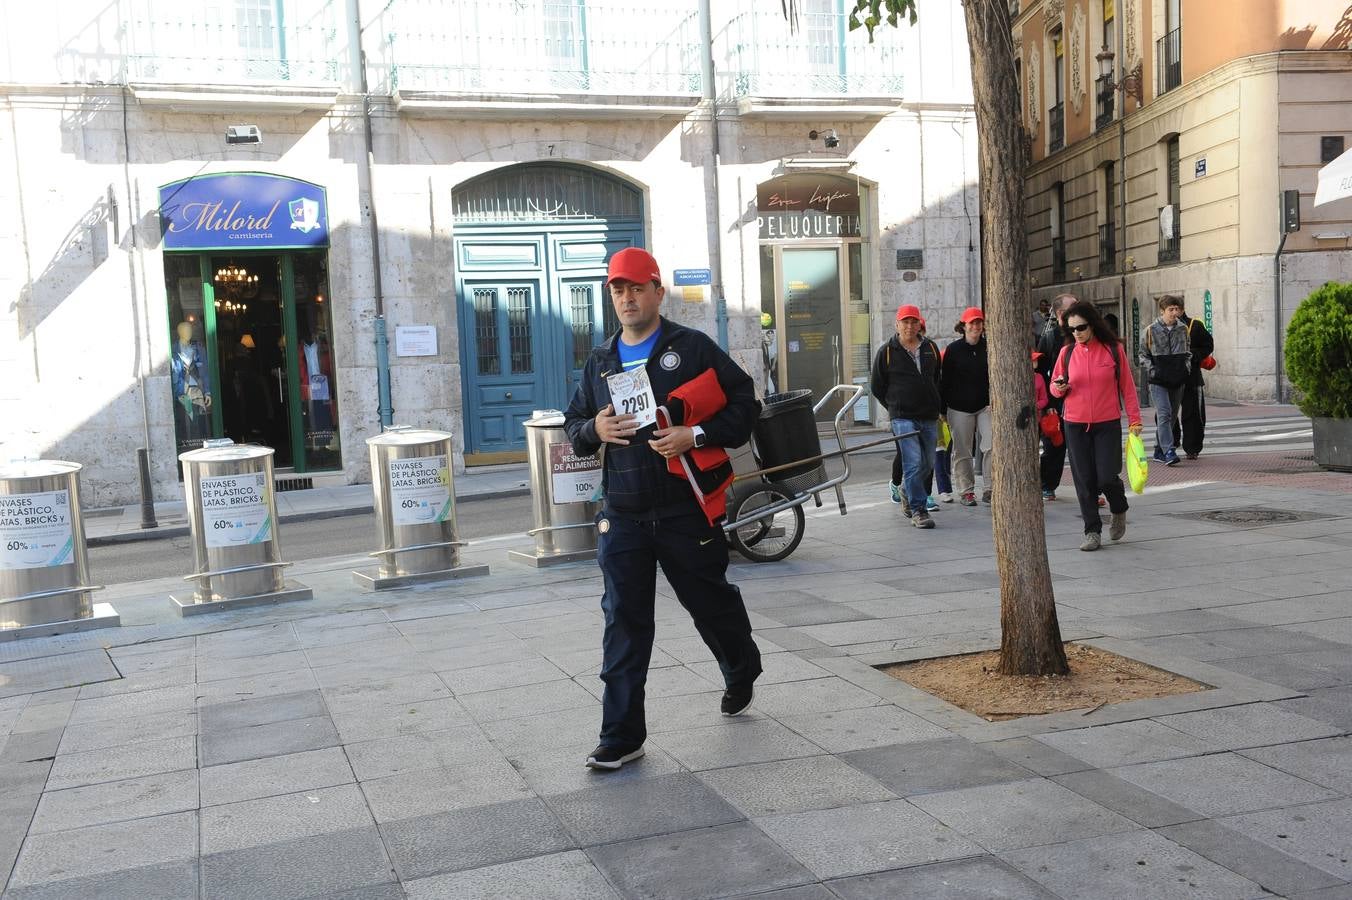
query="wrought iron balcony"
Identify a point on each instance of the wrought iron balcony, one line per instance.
(1105, 93)
(1107, 248)
(820, 58)
(1169, 60)
(1170, 243)
(1056, 127)
(1058, 259)
(237, 44)
(525, 47)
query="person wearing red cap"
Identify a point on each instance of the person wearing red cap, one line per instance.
(966, 386)
(905, 379)
(651, 516)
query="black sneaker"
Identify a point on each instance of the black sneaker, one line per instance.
(611, 758)
(737, 702)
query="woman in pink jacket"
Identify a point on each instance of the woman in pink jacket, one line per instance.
(1093, 376)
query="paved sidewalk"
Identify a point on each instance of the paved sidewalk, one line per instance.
(428, 743)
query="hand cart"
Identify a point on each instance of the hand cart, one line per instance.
(765, 507)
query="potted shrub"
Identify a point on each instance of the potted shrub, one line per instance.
(1319, 364)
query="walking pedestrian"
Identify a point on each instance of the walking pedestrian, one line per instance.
(651, 516)
(1053, 338)
(966, 388)
(1165, 359)
(1092, 375)
(905, 379)
(1191, 429)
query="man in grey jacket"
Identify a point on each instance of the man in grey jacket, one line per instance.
(1165, 356)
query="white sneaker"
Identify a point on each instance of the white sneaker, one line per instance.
(945, 498)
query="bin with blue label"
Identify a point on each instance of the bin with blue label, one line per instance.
(415, 510)
(44, 567)
(232, 516)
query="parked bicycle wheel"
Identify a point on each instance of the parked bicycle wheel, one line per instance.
(771, 538)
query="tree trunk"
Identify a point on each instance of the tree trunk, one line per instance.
(1030, 642)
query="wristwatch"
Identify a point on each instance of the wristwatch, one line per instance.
(698, 434)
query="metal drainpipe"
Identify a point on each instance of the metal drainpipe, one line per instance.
(716, 248)
(365, 166)
(1277, 315)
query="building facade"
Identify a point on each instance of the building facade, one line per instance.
(1164, 134)
(168, 284)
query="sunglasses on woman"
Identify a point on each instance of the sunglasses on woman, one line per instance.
(1078, 328)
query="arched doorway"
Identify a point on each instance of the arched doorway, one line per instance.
(531, 244)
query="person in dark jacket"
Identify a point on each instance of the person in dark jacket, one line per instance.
(1192, 409)
(905, 379)
(1166, 361)
(966, 388)
(651, 517)
(1054, 337)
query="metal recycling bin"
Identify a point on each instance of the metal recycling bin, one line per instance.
(565, 494)
(44, 564)
(232, 515)
(414, 490)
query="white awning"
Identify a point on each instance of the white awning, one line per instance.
(1335, 180)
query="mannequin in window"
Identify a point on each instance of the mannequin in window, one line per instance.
(191, 380)
(316, 385)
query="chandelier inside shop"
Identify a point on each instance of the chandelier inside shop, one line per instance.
(234, 284)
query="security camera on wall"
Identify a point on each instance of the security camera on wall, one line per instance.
(243, 134)
(829, 138)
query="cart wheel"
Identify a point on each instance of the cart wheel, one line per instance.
(772, 538)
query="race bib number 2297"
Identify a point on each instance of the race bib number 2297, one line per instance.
(632, 395)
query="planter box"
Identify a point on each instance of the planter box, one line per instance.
(1333, 444)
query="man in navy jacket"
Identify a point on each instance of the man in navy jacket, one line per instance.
(651, 517)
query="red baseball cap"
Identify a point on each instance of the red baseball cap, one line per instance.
(1036, 354)
(633, 264)
(909, 312)
(971, 313)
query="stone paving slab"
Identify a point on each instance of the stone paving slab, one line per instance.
(559, 876)
(1274, 870)
(852, 840)
(269, 777)
(794, 785)
(708, 862)
(1316, 833)
(116, 801)
(978, 878)
(1130, 866)
(1222, 784)
(1021, 814)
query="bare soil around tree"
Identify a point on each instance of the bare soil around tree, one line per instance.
(1097, 678)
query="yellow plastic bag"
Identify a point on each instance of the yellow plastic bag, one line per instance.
(945, 436)
(1137, 462)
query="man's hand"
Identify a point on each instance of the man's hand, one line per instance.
(1135, 429)
(613, 429)
(673, 441)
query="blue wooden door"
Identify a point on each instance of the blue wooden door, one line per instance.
(504, 359)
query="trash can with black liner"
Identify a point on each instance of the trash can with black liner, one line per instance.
(785, 433)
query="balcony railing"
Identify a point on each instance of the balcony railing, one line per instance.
(1169, 243)
(537, 47)
(820, 58)
(1056, 127)
(1058, 259)
(1169, 59)
(244, 43)
(1107, 248)
(1104, 94)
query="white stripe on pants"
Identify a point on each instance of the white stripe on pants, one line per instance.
(964, 427)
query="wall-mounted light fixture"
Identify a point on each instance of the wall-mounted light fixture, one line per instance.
(243, 134)
(1131, 85)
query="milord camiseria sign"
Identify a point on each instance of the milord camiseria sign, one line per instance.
(243, 211)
